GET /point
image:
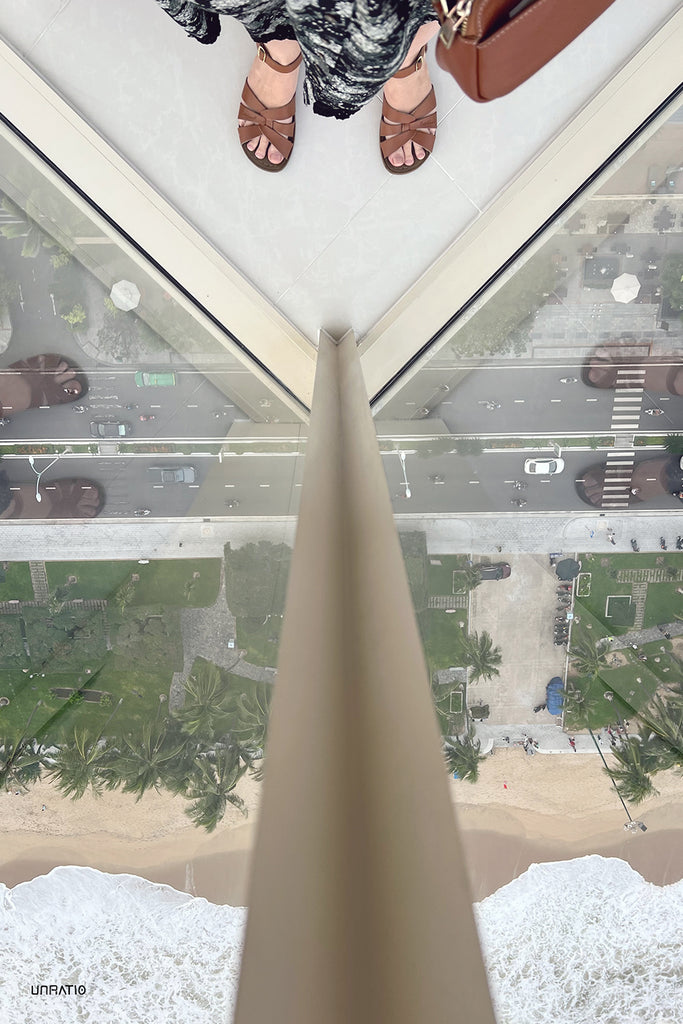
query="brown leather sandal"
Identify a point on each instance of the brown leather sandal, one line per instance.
(268, 120)
(409, 126)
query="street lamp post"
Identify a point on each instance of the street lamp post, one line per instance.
(402, 459)
(31, 460)
(631, 825)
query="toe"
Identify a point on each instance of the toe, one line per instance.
(408, 158)
(396, 158)
(262, 147)
(275, 156)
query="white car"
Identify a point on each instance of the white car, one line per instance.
(543, 466)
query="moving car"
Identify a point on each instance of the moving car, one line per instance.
(110, 428)
(172, 474)
(495, 571)
(143, 379)
(544, 466)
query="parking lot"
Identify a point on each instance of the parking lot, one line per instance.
(518, 613)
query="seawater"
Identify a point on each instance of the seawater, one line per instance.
(587, 941)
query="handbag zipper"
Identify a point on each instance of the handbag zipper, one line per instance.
(454, 21)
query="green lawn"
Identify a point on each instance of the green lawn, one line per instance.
(440, 577)
(441, 633)
(166, 581)
(256, 579)
(662, 602)
(16, 585)
(260, 640)
(633, 684)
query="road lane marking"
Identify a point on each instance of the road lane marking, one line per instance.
(264, 485)
(520, 401)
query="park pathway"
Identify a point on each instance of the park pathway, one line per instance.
(643, 636)
(41, 588)
(205, 633)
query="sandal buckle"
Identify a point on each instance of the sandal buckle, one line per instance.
(419, 62)
(261, 53)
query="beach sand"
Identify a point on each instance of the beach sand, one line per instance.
(555, 807)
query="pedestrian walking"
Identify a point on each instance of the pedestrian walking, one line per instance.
(572, 743)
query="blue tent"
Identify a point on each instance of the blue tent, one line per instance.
(554, 693)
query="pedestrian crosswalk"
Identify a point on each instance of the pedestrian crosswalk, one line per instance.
(626, 410)
(628, 397)
(616, 489)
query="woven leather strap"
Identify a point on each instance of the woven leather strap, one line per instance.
(409, 127)
(266, 121)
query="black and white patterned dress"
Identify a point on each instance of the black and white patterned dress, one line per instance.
(350, 47)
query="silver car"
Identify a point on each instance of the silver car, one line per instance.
(172, 474)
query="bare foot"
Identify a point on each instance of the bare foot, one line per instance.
(407, 93)
(274, 89)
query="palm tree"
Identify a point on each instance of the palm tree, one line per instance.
(472, 577)
(252, 714)
(463, 755)
(84, 762)
(144, 764)
(211, 787)
(481, 657)
(632, 777)
(587, 658)
(674, 444)
(21, 761)
(579, 706)
(205, 702)
(665, 719)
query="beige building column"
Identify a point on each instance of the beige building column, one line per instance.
(359, 911)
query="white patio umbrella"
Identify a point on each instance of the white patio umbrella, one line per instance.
(126, 295)
(625, 287)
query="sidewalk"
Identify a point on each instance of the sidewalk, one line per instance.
(550, 738)
(480, 535)
(545, 532)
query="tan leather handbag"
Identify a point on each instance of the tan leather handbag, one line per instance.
(492, 46)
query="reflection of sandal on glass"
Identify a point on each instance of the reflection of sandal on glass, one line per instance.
(277, 124)
(609, 370)
(66, 498)
(399, 127)
(46, 379)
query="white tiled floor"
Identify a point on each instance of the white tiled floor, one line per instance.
(333, 241)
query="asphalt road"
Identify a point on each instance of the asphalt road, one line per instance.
(193, 408)
(533, 399)
(269, 485)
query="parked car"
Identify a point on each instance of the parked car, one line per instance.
(143, 379)
(110, 428)
(172, 474)
(544, 466)
(231, 642)
(494, 571)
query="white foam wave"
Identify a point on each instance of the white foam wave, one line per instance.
(587, 941)
(146, 953)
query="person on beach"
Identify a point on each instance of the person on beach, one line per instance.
(349, 51)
